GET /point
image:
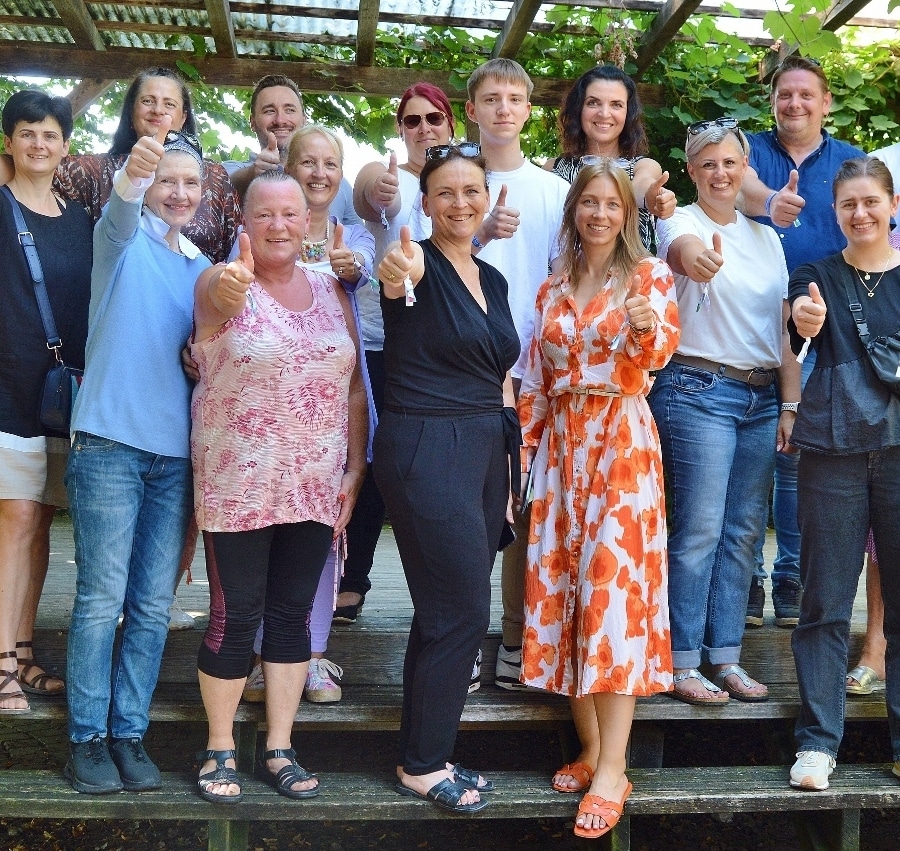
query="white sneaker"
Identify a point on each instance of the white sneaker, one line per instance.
(320, 687)
(255, 687)
(812, 770)
(178, 617)
(509, 666)
(475, 682)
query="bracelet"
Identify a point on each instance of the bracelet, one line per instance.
(639, 332)
(769, 204)
(477, 243)
(793, 407)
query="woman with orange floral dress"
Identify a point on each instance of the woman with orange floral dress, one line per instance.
(596, 613)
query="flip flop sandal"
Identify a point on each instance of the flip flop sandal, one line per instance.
(864, 681)
(582, 773)
(468, 778)
(609, 811)
(446, 794)
(39, 682)
(694, 700)
(286, 777)
(221, 774)
(746, 682)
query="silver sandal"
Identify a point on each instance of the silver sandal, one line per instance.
(693, 700)
(746, 681)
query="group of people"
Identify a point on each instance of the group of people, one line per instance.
(493, 355)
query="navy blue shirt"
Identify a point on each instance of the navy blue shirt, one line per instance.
(818, 235)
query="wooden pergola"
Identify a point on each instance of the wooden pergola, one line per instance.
(99, 43)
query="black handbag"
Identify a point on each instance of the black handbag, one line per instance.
(883, 352)
(62, 381)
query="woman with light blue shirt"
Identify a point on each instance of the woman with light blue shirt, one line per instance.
(129, 473)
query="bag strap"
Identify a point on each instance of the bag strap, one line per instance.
(856, 307)
(26, 240)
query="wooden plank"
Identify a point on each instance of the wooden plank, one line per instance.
(222, 27)
(366, 30)
(80, 25)
(85, 93)
(516, 26)
(664, 27)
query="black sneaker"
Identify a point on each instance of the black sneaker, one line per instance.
(755, 602)
(786, 599)
(90, 768)
(136, 769)
(348, 614)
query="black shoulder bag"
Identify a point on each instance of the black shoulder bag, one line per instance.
(62, 382)
(884, 352)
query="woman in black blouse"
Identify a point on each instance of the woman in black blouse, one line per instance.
(848, 431)
(441, 460)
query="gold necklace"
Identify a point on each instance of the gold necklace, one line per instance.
(870, 291)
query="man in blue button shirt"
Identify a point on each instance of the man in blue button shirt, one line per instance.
(788, 186)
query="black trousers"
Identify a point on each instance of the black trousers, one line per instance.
(445, 481)
(273, 571)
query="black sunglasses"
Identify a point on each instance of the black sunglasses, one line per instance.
(464, 149)
(726, 123)
(434, 119)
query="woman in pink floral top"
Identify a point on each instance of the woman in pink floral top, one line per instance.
(279, 452)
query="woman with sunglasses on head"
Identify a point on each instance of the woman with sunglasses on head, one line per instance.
(596, 620)
(601, 117)
(848, 478)
(716, 405)
(442, 459)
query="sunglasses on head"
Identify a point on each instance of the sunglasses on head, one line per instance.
(726, 123)
(434, 119)
(441, 152)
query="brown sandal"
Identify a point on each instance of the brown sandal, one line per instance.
(11, 677)
(39, 682)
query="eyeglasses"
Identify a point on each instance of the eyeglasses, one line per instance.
(464, 149)
(725, 123)
(593, 159)
(434, 119)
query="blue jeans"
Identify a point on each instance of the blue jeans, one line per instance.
(840, 496)
(130, 512)
(717, 436)
(784, 509)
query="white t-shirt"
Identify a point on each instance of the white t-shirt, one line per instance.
(524, 259)
(890, 156)
(420, 228)
(739, 322)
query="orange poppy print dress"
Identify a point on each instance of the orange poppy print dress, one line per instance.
(596, 606)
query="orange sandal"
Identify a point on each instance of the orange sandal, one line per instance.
(609, 811)
(582, 773)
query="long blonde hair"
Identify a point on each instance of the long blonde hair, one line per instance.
(629, 249)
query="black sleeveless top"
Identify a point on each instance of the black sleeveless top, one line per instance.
(444, 356)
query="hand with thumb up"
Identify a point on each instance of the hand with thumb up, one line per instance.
(269, 158)
(386, 186)
(809, 312)
(403, 259)
(785, 205)
(228, 290)
(637, 305)
(147, 152)
(707, 262)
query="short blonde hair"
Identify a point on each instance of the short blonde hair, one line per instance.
(308, 130)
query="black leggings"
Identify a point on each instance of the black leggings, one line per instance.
(272, 573)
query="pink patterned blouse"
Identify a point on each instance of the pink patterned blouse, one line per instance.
(270, 413)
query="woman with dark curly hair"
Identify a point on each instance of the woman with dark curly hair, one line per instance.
(601, 117)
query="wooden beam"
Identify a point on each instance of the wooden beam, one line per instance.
(79, 23)
(516, 26)
(46, 60)
(222, 27)
(366, 29)
(85, 93)
(665, 26)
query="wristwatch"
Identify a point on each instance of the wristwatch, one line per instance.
(793, 407)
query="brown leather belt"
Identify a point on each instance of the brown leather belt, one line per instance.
(756, 377)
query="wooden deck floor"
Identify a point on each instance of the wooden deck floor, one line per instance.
(388, 600)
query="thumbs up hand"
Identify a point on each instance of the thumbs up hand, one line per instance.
(387, 185)
(637, 305)
(502, 222)
(344, 262)
(398, 263)
(707, 262)
(269, 158)
(228, 290)
(658, 200)
(786, 204)
(147, 152)
(809, 312)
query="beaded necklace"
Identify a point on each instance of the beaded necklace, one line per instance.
(314, 252)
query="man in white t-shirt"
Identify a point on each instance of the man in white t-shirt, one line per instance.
(890, 156)
(520, 239)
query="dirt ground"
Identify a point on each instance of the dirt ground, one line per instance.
(687, 743)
